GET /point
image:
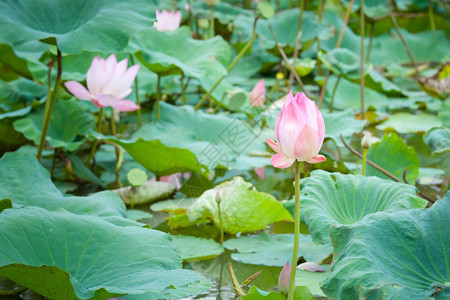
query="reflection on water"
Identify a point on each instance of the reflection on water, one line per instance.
(216, 269)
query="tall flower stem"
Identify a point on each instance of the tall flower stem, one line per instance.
(296, 231)
(431, 15)
(321, 7)
(50, 101)
(138, 102)
(364, 163)
(361, 67)
(99, 130)
(158, 96)
(113, 122)
(183, 88)
(231, 66)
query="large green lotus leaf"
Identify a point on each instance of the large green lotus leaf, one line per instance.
(401, 255)
(403, 122)
(91, 25)
(59, 134)
(379, 83)
(224, 12)
(66, 256)
(195, 248)
(254, 293)
(394, 155)
(26, 182)
(186, 140)
(422, 52)
(390, 43)
(275, 250)
(284, 25)
(348, 95)
(332, 198)
(243, 208)
(14, 94)
(344, 123)
(171, 52)
(438, 139)
(343, 62)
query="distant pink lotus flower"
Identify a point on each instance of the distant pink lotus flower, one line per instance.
(260, 172)
(258, 94)
(283, 280)
(108, 82)
(167, 20)
(300, 131)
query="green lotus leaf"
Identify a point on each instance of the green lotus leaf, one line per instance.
(168, 53)
(438, 139)
(341, 123)
(394, 155)
(379, 83)
(343, 62)
(177, 205)
(59, 135)
(195, 248)
(91, 25)
(14, 94)
(372, 8)
(275, 250)
(284, 26)
(12, 66)
(348, 95)
(332, 198)
(138, 215)
(401, 255)
(224, 12)
(408, 123)
(61, 255)
(254, 293)
(184, 140)
(243, 208)
(10, 139)
(27, 183)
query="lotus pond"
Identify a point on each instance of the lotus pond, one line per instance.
(206, 149)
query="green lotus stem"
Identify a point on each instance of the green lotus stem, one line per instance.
(132, 198)
(138, 102)
(372, 32)
(296, 231)
(94, 145)
(361, 67)
(338, 44)
(158, 96)
(183, 89)
(52, 170)
(334, 92)
(231, 66)
(297, 44)
(220, 220)
(51, 99)
(431, 15)
(113, 122)
(211, 21)
(364, 163)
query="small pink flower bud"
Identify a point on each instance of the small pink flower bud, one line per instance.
(283, 280)
(258, 94)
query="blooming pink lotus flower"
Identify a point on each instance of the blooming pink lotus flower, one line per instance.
(108, 82)
(283, 280)
(167, 20)
(300, 131)
(258, 94)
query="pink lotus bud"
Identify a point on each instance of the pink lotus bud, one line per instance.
(258, 94)
(108, 82)
(283, 280)
(300, 131)
(167, 20)
(260, 172)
